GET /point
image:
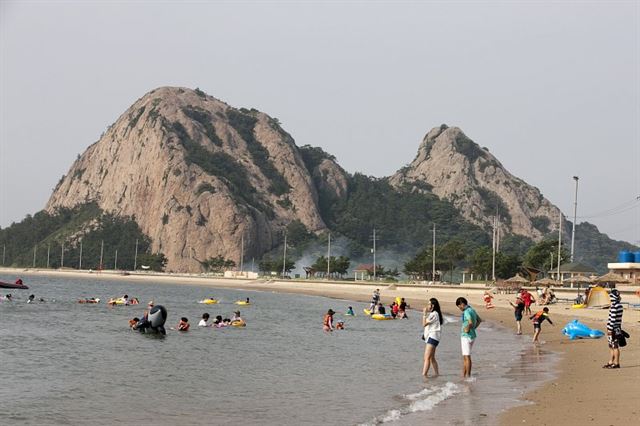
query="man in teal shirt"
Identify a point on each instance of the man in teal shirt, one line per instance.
(470, 321)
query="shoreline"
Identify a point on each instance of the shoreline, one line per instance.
(581, 391)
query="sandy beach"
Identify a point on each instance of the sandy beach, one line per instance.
(581, 393)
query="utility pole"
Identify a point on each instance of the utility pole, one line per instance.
(34, 255)
(374, 254)
(498, 233)
(242, 253)
(559, 244)
(101, 253)
(329, 257)
(493, 250)
(284, 257)
(551, 267)
(135, 257)
(80, 264)
(433, 256)
(115, 263)
(48, 250)
(575, 212)
(62, 256)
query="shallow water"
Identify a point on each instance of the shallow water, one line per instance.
(67, 363)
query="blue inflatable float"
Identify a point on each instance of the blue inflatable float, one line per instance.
(577, 330)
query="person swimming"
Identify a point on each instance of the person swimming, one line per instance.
(327, 323)
(340, 325)
(204, 322)
(183, 325)
(350, 311)
(31, 298)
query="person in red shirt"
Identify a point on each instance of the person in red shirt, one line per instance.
(528, 299)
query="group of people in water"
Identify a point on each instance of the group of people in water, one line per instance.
(31, 299)
(183, 325)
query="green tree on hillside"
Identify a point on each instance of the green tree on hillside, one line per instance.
(543, 253)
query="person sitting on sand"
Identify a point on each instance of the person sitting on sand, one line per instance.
(204, 321)
(340, 325)
(327, 322)
(402, 309)
(183, 325)
(538, 318)
(350, 311)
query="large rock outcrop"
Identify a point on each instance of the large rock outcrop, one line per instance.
(197, 175)
(455, 168)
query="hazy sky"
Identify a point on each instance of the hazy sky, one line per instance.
(551, 88)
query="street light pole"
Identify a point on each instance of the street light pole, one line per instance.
(329, 257)
(284, 256)
(433, 256)
(575, 211)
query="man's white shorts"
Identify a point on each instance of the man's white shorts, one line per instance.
(466, 344)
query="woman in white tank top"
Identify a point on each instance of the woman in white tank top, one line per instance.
(432, 323)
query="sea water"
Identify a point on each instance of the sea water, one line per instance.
(69, 363)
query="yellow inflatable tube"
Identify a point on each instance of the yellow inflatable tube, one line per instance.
(579, 306)
(380, 317)
(208, 301)
(242, 302)
(238, 324)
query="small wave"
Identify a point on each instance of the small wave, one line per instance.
(424, 400)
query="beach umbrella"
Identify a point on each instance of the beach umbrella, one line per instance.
(546, 281)
(517, 280)
(611, 278)
(579, 279)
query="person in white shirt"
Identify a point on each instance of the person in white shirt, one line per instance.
(203, 322)
(432, 322)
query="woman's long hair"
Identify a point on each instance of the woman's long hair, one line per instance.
(436, 308)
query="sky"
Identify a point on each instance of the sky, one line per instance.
(552, 89)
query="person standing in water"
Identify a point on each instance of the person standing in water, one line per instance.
(327, 324)
(470, 321)
(374, 300)
(431, 322)
(518, 309)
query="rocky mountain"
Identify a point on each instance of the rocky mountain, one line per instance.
(453, 167)
(197, 175)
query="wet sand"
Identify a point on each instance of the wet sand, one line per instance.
(581, 393)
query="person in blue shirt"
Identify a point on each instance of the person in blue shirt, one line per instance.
(470, 321)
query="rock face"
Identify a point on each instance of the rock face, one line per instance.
(198, 175)
(455, 168)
